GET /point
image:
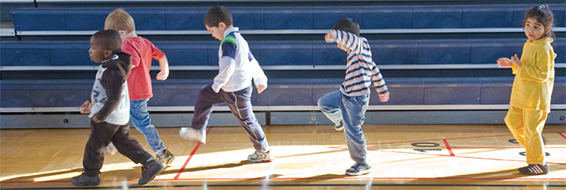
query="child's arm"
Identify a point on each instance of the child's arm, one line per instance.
(164, 65)
(112, 80)
(541, 69)
(85, 107)
(346, 39)
(260, 80)
(379, 83)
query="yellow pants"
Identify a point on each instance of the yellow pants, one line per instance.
(526, 126)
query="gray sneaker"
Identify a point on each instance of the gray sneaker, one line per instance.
(359, 169)
(165, 157)
(260, 156)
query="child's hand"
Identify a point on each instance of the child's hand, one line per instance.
(162, 75)
(85, 108)
(95, 118)
(384, 97)
(260, 88)
(328, 37)
(504, 62)
(516, 61)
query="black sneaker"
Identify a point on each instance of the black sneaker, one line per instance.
(534, 169)
(359, 169)
(85, 180)
(165, 157)
(149, 171)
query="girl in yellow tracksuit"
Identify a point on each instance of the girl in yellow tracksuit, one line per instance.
(532, 88)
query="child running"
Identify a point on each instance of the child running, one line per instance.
(347, 107)
(109, 108)
(139, 81)
(232, 85)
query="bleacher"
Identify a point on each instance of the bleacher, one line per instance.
(438, 59)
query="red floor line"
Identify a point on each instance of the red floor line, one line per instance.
(455, 138)
(562, 134)
(190, 156)
(365, 177)
(503, 147)
(470, 157)
(448, 147)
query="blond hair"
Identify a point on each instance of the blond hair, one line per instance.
(120, 20)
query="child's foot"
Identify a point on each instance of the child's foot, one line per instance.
(339, 127)
(85, 180)
(191, 134)
(165, 157)
(534, 169)
(111, 149)
(149, 171)
(359, 169)
(260, 156)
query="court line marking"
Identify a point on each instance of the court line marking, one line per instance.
(307, 185)
(562, 134)
(358, 177)
(190, 156)
(448, 147)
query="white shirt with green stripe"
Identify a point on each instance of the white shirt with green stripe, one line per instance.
(237, 64)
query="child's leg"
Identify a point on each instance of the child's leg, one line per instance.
(534, 124)
(241, 106)
(353, 112)
(514, 121)
(101, 134)
(142, 122)
(330, 105)
(129, 147)
(206, 99)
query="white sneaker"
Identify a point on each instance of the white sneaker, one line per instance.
(191, 134)
(260, 156)
(111, 149)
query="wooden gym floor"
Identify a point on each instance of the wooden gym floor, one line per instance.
(306, 157)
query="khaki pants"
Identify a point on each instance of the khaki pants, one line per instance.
(526, 126)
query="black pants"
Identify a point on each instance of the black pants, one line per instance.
(100, 136)
(239, 104)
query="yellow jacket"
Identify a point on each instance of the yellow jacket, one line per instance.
(534, 80)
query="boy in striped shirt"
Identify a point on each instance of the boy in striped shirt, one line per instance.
(347, 107)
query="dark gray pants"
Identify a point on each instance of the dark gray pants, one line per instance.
(239, 104)
(100, 136)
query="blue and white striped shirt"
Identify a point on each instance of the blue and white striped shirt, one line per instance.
(361, 71)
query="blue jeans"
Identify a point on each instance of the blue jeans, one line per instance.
(140, 119)
(350, 110)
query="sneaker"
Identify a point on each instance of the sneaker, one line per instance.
(85, 180)
(534, 169)
(260, 156)
(191, 134)
(111, 149)
(165, 157)
(149, 171)
(359, 169)
(339, 127)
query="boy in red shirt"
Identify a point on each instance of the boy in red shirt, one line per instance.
(139, 81)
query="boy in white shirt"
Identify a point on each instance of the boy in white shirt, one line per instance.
(232, 85)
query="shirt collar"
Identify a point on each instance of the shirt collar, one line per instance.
(231, 29)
